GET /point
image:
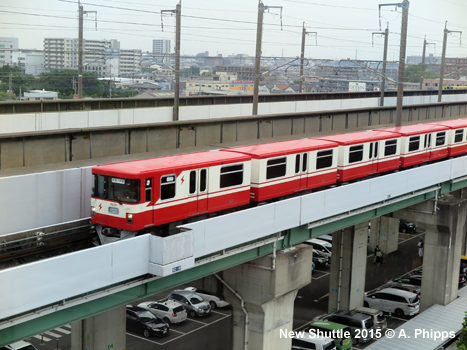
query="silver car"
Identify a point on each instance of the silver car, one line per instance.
(211, 299)
(169, 311)
(193, 303)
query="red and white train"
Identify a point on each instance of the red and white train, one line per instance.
(147, 195)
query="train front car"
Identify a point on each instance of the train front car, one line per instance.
(154, 195)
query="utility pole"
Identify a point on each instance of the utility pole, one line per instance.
(443, 60)
(259, 36)
(10, 85)
(302, 56)
(422, 71)
(178, 16)
(80, 47)
(80, 52)
(403, 44)
(385, 59)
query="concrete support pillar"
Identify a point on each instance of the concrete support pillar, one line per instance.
(104, 331)
(268, 293)
(442, 248)
(348, 268)
(384, 232)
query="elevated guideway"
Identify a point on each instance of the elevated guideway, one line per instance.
(21, 117)
(78, 285)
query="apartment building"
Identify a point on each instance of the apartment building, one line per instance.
(7, 47)
(160, 48)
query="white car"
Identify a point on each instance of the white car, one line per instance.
(21, 345)
(211, 299)
(170, 311)
(398, 302)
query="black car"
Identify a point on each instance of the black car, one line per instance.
(320, 259)
(141, 320)
(407, 227)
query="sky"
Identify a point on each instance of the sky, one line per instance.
(344, 28)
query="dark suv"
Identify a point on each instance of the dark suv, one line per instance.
(141, 320)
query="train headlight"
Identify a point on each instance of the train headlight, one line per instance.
(93, 211)
(129, 218)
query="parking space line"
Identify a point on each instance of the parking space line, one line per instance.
(194, 330)
(149, 340)
(42, 338)
(324, 296)
(54, 334)
(397, 318)
(191, 319)
(62, 330)
(324, 275)
(173, 330)
(219, 313)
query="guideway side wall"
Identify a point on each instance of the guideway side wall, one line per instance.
(348, 268)
(37, 148)
(269, 293)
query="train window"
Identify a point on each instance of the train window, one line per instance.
(376, 149)
(231, 175)
(324, 159)
(192, 181)
(202, 180)
(305, 162)
(297, 163)
(371, 151)
(414, 143)
(459, 135)
(390, 147)
(168, 186)
(355, 153)
(275, 168)
(440, 138)
(148, 190)
(116, 189)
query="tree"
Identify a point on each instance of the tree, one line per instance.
(413, 73)
(20, 82)
(65, 82)
(462, 343)
(4, 95)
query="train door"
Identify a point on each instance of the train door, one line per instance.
(426, 148)
(373, 157)
(199, 187)
(148, 198)
(301, 169)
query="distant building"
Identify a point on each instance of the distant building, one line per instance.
(30, 61)
(40, 95)
(433, 84)
(103, 57)
(456, 67)
(160, 48)
(196, 87)
(7, 47)
(242, 72)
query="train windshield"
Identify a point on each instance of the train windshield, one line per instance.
(116, 189)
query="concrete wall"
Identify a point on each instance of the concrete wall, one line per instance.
(35, 149)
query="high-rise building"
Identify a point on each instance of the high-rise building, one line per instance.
(103, 57)
(7, 46)
(160, 48)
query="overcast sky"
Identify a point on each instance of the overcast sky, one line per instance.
(229, 26)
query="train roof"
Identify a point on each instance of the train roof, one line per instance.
(275, 149)
(416, 129)
(352, 138)
(453, 124)
(186, 161)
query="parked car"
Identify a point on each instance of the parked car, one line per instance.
(20, 345)
(213, 300)
(192, 302)
(410, 283)
(327, 238)
(170, 311)
(407, 227)
(357, 323)
(327, 326)
(399, 302)
(141, 320)
(321, 246)
(308, 341)
(320, 259)
(379, 320)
